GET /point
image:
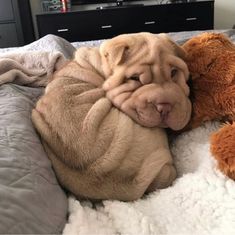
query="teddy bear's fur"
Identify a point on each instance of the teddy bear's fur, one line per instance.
(211, 62)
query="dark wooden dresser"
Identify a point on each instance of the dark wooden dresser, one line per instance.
(81, 25)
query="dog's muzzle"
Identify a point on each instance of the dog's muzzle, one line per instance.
(153, 105)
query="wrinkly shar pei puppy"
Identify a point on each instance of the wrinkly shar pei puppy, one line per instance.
(103, 115)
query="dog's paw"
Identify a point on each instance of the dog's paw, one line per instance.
(120, 94)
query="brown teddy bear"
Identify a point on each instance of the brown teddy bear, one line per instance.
(211, 62)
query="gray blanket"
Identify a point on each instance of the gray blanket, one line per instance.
(31, 201)
(29, 68)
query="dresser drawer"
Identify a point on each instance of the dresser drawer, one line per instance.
(8, 35)
(70, 26)
(187, 11)
(190, 16)
(85, 25)
(151, 19)
(6, 10)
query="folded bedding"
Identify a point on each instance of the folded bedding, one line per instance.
(32, 202)
(31, 199)
(201, 200)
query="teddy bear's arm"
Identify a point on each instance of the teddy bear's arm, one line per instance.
(204, 109)
(225, 101)
(222, 148)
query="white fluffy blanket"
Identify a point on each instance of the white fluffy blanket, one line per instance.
(201, 200)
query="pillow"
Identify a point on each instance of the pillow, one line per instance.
(31, 199)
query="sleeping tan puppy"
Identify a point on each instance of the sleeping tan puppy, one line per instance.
(101, 118)
(157, 93)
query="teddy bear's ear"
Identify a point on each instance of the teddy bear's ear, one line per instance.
(222, 39)
(224, 63)
(223, 68)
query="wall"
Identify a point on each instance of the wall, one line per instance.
(35, 9)
(224, 14)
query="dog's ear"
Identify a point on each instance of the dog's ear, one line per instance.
(178, 50)
(116, 50)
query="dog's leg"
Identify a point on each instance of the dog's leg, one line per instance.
(120, 94)
(163, 179)
(148, 179)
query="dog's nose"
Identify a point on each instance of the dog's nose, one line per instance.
(163, 108)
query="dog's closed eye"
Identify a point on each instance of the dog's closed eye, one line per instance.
(134, 78)
(174, 72)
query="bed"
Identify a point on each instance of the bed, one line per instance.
(201, 200)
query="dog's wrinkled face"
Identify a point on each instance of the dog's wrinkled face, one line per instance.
(146, 78)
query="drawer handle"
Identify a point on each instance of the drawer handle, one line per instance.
(191, 18)
(63, 30)
(106, 26)
(149, 22)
